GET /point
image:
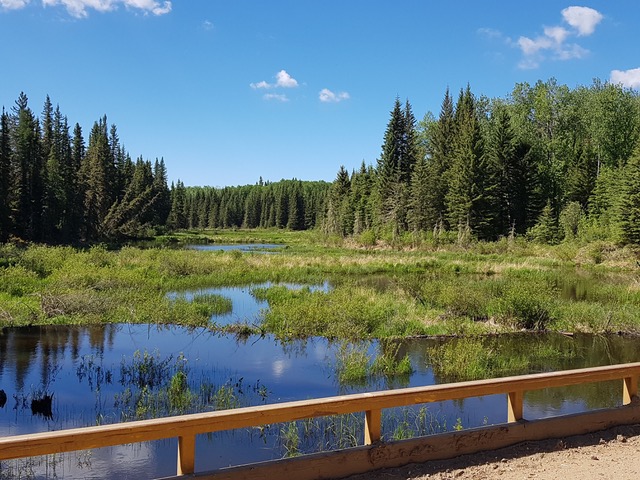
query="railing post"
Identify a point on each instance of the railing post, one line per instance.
(186, 454)
(372, 426)
(630, 389)
(515, 402)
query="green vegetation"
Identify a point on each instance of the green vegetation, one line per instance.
(473, 358)
(354, 365)
(420, 289)
(156, 387)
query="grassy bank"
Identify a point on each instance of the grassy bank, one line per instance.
(377, 291)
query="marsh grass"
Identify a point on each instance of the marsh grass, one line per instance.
(356, 367)
(473, 358)
(449, 289)
(154, 386)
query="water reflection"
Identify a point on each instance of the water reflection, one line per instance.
(51, 359)
(246, 308)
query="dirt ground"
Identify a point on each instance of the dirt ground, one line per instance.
(610, 454)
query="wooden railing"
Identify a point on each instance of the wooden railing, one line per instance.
(186, 427)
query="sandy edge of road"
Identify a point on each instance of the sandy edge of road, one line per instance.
(608, 454)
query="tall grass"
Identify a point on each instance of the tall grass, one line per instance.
(474, 358)
(481, 288)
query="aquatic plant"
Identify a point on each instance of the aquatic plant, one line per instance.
(473, 358)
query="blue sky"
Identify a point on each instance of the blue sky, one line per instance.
(228, 91)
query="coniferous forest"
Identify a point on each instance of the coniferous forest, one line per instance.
(547, 162)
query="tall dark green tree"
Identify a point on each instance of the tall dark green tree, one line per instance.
(429, 196)
(177, 215)
(629, 200)
(97, 174)
(5, 178)
(27, 166)
(465, 184)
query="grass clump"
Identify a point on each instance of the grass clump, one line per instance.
(474, 358)
(355, 367)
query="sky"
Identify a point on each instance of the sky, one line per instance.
(231, 91)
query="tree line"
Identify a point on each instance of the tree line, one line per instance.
(548, 162)
(56, 188)
(291, 204)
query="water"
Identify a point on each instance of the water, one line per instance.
(246, 308)
(82, 368)
(242, 247)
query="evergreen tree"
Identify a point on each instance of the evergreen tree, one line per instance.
(337, 219)
(433, 188)
(296, 208)
(161, 194)
(465, 176)
(5, 180)
(74, 224)
(629, 200)
(177, 215)
(420, 215)
(27, 169)
(97, 174)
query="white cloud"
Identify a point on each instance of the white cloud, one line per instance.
(80, 8)
(583, 19)
(13, 4)
(207, 25)
(553, 43)
(261, 84)
(531, 47)
(558, 34)
(275, 96)
(328, 96)
(283, 80)
(627, 78)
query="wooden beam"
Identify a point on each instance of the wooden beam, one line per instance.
(630, 389)
(358, 460)
(372, 426)
(515, 404)
(186, 454)
(172, 427)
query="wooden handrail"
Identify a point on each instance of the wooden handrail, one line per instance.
(186, 427)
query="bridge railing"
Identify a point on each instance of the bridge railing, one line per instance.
(187, 427)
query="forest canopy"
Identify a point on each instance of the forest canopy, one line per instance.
(547, 162)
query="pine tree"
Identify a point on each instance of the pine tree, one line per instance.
(465, 189)
(5, 180)
(162, 193)
(74, 225)
(97, 173)
(420, 216)
(28, 184)
(55, 197)
(177, 216)
(296, 208)
(629, 201)
(336, 222)
(433, 186)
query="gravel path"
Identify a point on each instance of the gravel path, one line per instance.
(610, 454)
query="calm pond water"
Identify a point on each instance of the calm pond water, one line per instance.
(245, 307)
(242, 247)
(87, 370)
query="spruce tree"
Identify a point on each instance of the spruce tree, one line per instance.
(465, 189)
(5, 180)
(433, 188)
(97, 173)
(628, 216)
